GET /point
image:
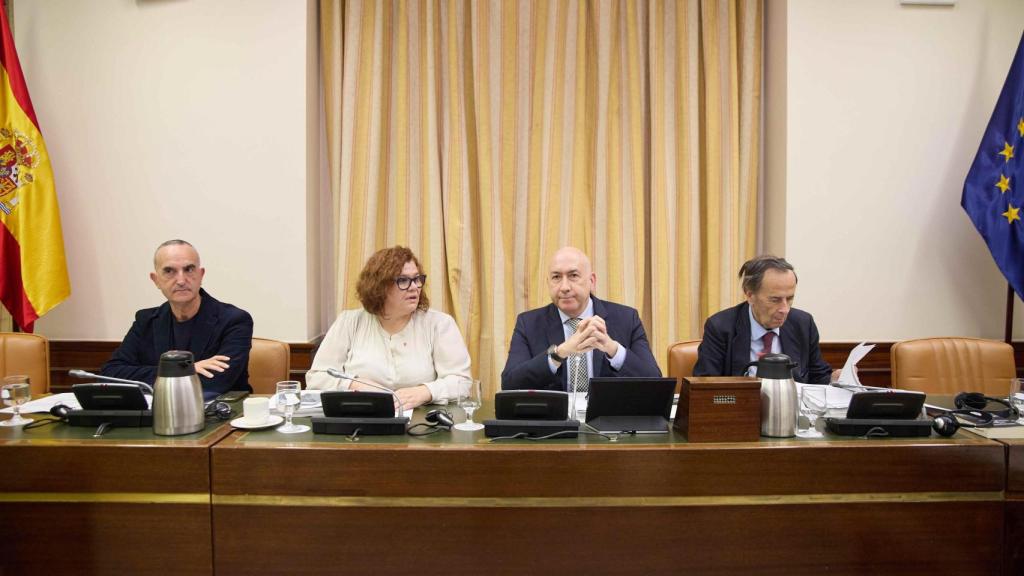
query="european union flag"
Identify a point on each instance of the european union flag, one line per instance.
(994, 189)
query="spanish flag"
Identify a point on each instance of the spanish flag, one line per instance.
(33, 273)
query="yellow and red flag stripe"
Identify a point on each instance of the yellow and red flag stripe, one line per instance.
(33, 271)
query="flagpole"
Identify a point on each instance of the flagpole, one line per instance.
(9, 8)
(1009, 314)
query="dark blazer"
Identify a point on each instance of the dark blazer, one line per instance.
(725, 349)
(219, 329)
(536, 330)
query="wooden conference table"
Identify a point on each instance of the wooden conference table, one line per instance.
(304, 504)
(1014, 534)
(129, 502)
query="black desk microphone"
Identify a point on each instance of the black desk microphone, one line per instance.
(84, 374)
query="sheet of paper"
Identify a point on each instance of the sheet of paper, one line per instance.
(836, 399)
(43, 405)
(309, 403)
(848, 376)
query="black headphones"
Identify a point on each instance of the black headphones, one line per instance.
(440, 417)
(978, 401)
(970, 406)
(219, 410)
(436, 420)
(947, 424)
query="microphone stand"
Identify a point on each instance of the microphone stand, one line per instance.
(84, 374)
(353, 427)
(343, 376)
(109, 418)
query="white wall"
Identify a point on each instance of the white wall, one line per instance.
(883, 109)
(199, 119)
(196, 119)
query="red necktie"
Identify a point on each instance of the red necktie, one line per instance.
(767, 339)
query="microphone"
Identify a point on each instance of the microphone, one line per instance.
(84, 374)
(343, 376)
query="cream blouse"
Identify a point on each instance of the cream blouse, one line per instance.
(428, 350)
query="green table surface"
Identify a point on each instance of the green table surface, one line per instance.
(486, 411)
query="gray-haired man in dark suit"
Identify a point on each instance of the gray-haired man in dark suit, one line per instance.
(765, 322)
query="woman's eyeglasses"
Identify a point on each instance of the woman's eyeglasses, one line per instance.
(404, 282)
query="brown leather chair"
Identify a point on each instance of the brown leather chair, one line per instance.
(28, 354)
(952, 365)
(269, 363)
(682, 356)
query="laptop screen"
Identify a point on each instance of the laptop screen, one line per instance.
(630, 397)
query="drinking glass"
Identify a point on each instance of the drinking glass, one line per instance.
(812, 406)
(1017, 397)
(578, 405)
(469, 400)
(288, 400)
(16, 391)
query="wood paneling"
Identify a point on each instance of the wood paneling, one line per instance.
(70, 466)
(89, 538)
(873, 370)
(127, 503)
(837, 539)
(381, 505)
(496, 471)
(90, 355)
(1014, 535)
(770, 507)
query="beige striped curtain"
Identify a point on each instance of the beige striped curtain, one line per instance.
(487, 134)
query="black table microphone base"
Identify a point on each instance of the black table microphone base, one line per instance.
(362, 426)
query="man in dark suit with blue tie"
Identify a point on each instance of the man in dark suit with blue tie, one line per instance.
(219, 335)
(765, 322)
(577, 336)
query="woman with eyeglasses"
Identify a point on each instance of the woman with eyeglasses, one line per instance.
(395, 341)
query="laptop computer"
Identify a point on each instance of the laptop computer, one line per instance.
(640, 405)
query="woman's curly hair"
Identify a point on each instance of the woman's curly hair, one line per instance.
(379, 274)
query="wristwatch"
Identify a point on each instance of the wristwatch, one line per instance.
(553, 354)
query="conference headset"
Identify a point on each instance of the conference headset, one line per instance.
(440, 418)
(970, 413)
(219, 410)
(436, 420)
(978, 401)
(60, 413)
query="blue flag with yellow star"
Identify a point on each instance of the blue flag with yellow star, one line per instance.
(994, 188)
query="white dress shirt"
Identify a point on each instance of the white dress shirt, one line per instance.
(615, 361)
(757, 332)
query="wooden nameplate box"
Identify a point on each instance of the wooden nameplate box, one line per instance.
(719, 409)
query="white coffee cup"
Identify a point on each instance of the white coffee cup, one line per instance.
(256, 411)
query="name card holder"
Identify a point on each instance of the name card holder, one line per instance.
(719, 409)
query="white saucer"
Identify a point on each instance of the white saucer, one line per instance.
(272, 421)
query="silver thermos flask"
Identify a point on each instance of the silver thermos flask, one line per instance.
(778, 395)
(177, 396)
